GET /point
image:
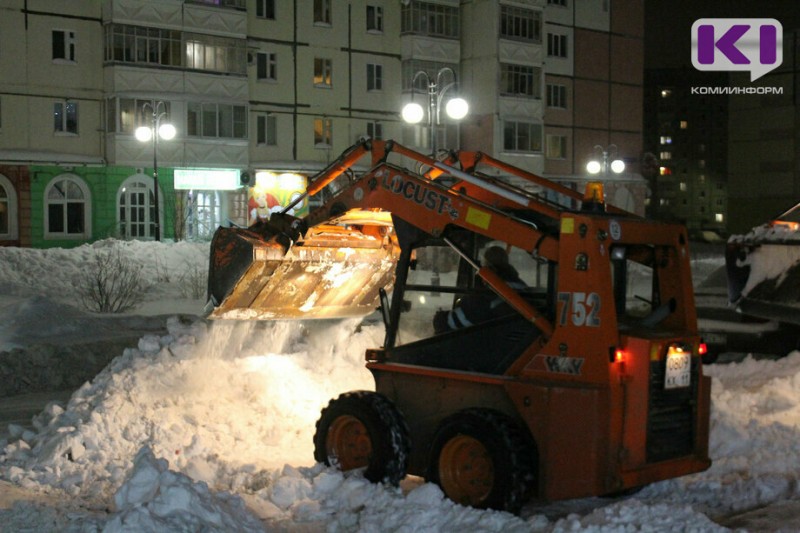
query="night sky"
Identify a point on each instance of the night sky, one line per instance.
(668, 24)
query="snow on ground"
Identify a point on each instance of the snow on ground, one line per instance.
(209, 428)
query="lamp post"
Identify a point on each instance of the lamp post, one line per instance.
(155, 131)
(606, 162)
(456, 108)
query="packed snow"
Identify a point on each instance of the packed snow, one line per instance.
(209, 427)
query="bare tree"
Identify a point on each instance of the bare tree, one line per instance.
(111, 283)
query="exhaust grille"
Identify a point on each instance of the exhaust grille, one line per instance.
(671, 417)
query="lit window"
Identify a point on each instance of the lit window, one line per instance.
(684, 124)
(719, 217)
(666, 93)
(665, 139)
(322, 132)
(665, 156)
(323, 72)
(682, 186)
(665, 171)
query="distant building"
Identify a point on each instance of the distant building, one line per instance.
(264, 94)
(686, 142)
(764, 143)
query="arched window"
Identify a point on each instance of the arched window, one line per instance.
(136, 208)
(8, 210)
(68, 209)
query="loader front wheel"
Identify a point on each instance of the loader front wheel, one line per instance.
(482, 458)
(363, 429)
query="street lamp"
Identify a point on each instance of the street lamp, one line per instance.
(155, 131)
(456, 108)
(606, 162)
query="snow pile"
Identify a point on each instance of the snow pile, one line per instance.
(210, 428)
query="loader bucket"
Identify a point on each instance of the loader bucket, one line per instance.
(764, 279)
(763, 269)
(335, 271)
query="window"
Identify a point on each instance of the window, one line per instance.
(267, 130)
(216, 120)
(322, 12)
(8, 210)
(67, 202)
(562, 3)
(556, 147)
(556, 96)
(64, 45)
(375, 130)
(666, 139)
(665, 155)
(124, 115)
(265, 9)
(323, 72)
(425, 18)
(556, 45)
(375, 18)
(411, 66)
(522, 136)
(217, 54)
(520, 24)
(322, 132)
(684, 124)
(666, 93)
(266, 66)
(135, 44)
(719, 217)
(136, 212)
(682, 186)
(520, 80)
(374, 77)
(203, 214)
(65, 117)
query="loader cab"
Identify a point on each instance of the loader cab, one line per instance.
(647, 287)
(434, 281)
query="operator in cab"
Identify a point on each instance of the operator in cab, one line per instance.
(482, 305)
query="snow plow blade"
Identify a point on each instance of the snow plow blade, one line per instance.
(266, 273)
(763, 269)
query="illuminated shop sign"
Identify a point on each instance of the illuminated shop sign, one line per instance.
(204, 179)
(273, 192)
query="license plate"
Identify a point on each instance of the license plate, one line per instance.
(679, 369)
(715, 338)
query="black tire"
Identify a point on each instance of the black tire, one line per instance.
(483, 458)
(363, 429)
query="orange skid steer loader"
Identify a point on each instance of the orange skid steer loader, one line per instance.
(583, 378)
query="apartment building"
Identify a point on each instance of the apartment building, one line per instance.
(265, 93)
(687, 137)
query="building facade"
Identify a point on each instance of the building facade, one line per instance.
(686, 139)
(265, 93)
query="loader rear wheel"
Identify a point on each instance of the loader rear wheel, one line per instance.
(482, 458)
(363, 429)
